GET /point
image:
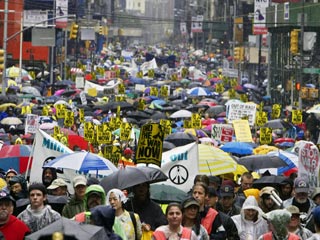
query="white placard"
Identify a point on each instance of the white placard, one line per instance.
(236, 111)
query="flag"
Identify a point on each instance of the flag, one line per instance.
(45, 149)
(181, 166)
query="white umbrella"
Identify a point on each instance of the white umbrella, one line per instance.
(181, 114)
(11, 121)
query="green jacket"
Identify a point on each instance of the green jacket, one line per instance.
(73, 207)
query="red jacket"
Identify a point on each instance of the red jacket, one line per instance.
(186, 234)
(268, 236)
(14, 229)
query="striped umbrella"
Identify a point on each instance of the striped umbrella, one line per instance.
(199, 91)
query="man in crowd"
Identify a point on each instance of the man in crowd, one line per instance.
(302, 201)
(48, 175)
(226, 203)
(11, 227)
(38, 214)
(295, 226)
(266, 202)
(76, 204)
(58, 187)
(246, 182)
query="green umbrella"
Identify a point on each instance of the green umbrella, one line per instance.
(163, 193)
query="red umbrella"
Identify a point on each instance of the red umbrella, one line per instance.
(281, 140)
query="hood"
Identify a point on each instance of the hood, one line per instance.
(103, 216)
(251, 203)
(95, 188)
(279, 220)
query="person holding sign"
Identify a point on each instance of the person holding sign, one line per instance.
(126, 159)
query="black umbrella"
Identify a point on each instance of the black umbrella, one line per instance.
(114, 105)
(131, 176)
(167, 146)
(70, 227)
(255, 162)
(215, 110)
(278, 124)
(138, 114)
(265, 181)
(163, 194)
(158, 115)
(180, 138)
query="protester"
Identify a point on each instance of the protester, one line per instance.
(11, 227)
(294, 226)
(316, 217)
(191, 218)
(76, 204)
(278, 220)
(48, 175)
(38, 214)
(104, 216)
(130, 221)
(249, 222)
(150, 213)
(10, 174)
(58, 187)
(315, 196)
(302, 201)
(174, 229)
(246, 182)
(209, 217)
(286, 188)
(266, 203)
(226, 203)
(18, 187)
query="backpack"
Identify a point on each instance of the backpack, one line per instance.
(134, 222)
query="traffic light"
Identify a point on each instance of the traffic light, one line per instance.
(2, 59)
(74, 31)
(294, 40)
(236, 53)
(298, 86)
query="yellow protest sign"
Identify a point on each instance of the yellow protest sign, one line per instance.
(184, 72)
(242, 130)
(219, 88)
(244, 97)
(154, 91)
(276, 111)
(174, 77)
(265, 135)
(164, 91)
(112, 153)
(81, 115)
(139, 74)
(233, 83)
(261, 118)
(141, 104)
(151, 73)
(69, 118)
(125, 131)
(296, 116)
(196, 120)
(120, 98)
(150, 144)
(56, 132)
(60, 110)
(89, 132)
(232, 93)
(121, 88)
(45, 110)
(187, 123)
(166, 124)
(103, 135)
(92, 92)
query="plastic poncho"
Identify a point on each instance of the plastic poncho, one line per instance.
(249, 229)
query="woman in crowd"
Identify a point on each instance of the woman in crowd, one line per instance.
(130, 221)
(174, 230)
(191, 219)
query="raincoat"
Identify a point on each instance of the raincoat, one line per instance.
(249, 229)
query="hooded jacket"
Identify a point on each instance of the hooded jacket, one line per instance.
(24, 192)
(14, 229)
(94, 188)
(249, 229)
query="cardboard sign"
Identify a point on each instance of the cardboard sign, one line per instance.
(242, 130)
(265, 135)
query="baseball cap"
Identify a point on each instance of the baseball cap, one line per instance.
(5, 195)
(189, 202)
(266, 191)
(293, 209)
(59, 182)
(227, 191)
(301, 185)
(79, 180)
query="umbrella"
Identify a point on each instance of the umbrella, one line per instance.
(180, 138)
(215, 110)
(166, 146)
(158, 116)
(70, 227)
(264, 149)
(250, 86)
(11, 121)
(199, 91)
(31, 90)
(131, 176)
(4, 106)
(278, 124)
(196, 132)
(240, 148)
(256, 162)
(265, 181)
(214, 161)
(181, 114)
(314, 109)
(83, 162)
(163, 194)
(14, 72)
(48, 125)
(15, 156)
(114, 105)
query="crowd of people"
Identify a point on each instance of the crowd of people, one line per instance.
(214, 209)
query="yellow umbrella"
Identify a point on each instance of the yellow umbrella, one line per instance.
(4, 106)
(264, 149)
(240, 169)
(214, 161)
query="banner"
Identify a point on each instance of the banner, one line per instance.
(181, 166)
(308, 162)
(236, 111)
(222, 132)
(31, 123)
(62, 10)
(242, 130)
(45, 149)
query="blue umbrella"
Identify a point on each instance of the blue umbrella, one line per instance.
(240, 148)
(199, 91)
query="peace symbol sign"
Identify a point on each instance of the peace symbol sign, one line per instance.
(178, 174)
